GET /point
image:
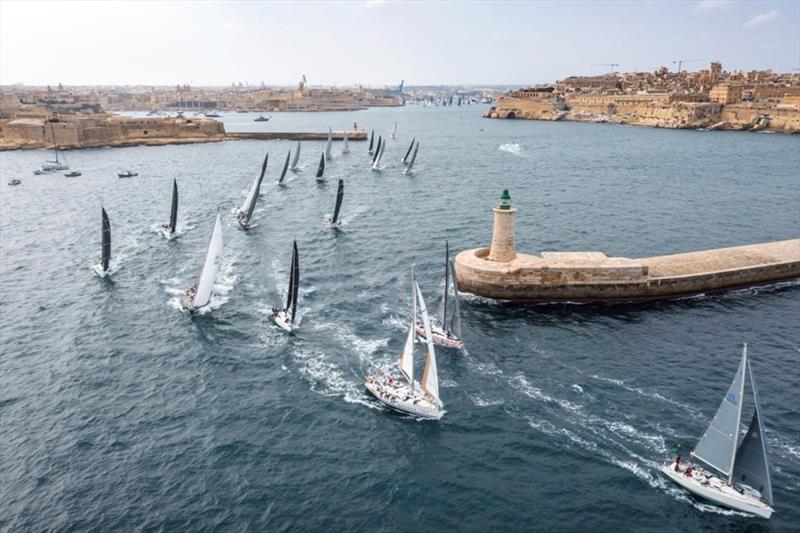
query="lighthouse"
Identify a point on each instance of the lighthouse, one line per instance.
(504, 248)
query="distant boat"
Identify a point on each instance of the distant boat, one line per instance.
(332, 222)
(212, 114)
(58, 164)
(73, 174)
(126, 174)
(321, 169)
(261, 118)
(446, 332)
(410, 166)
(285, 168)
(284, 318)
(419, 399)
(346, 147)
(394, 131)
(168, 230)
(15, 181)
(249, 205)
(371, 140)
(408, 152)
(329, 145)
(296, 159)
(376, 163)
(105, 245)
(199, 295)
(742, 479)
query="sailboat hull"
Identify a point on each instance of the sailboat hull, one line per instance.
(166, 233)
(330, 224)
(283, 321)
(98, 269)
(401, 398)
(710, 487)
(440, 337)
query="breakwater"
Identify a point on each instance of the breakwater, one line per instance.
(358, 135)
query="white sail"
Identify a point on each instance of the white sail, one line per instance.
(251, 194)
(210, 267)
(296, 157)
(329, 144)
(406, 362)
(376, 164)
(346, 149)
(394, 131)
(718, 446)
(430, 376)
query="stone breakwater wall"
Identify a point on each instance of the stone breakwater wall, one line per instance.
(99, 131)
(591, 276)
(657, 111)
(359, 135)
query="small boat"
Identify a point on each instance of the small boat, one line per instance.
(127, 174)
(73, 174)
(332, 222)
(261, 118)
(41, 171)
(408, 152)
(285, 168)
(284, 318)
(321, 168)
(249, 205)
(371, 140)
(740, 477)
(329, 144)
(199, 295)
(168, 230)
(376, 161)
(394, 131)
(296, 159)
(404, 394)
(410, 166)
(213, 114)
(15, 181)
(446, 332)
(346, 147)
(101, 268)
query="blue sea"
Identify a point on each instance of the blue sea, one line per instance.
(120, 411)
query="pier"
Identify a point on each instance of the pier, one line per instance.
(501, 273)
(358, 135)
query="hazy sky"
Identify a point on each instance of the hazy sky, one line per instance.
(380, 42)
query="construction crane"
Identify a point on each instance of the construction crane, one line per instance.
(612, 65)
(680, 62)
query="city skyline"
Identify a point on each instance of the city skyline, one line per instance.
(378, 43)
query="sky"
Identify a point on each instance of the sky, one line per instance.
(380, 42)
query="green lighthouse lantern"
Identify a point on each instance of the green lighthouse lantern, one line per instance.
(505, 200)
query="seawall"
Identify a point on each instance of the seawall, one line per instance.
(359, 135)
(591, 276)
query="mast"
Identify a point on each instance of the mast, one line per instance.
(406, 362)
(329, 144)
(371, 139)
(295, 279)
(441, 311)
(285, 167)
(339, 197)
(290, 292)
(296, 157)
(106, 239)
(255, 190)
(321, 169)
(455, 320)
(394, 131)
(408, 152)
(430, 376)
(346, 149)
(738, 412)
(173, 216)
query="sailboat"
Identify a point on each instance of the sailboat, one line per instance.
(285, 168)
(376, 161)
(371, 140)
(346, 148)
(199, 295)
(329, 144)
(321, 169)
(284, 318)
(446, 332)
(246, 211)
(410, 166)
(51, 166)
(740, 479)
(404, 394)
(394, 131)
(168, 230)
(332, 222)
(408, 152)
(296, 159)
(105, 230)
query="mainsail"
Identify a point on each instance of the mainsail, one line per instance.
(430, 377)
(441, 310)
(406, 362)
(377, 150)
(285, 167)
(408, 152)
(173, 216)
(455, 320)
(296, 157)
(329, 144)
(346, 149)
(717, 448)
(378, 155)
(751, 466)
(321, 169)
(371, 140)
(250, 202)
(294, 282)
(339, 197)
(210, 267)
(394, 131)
(413, 158)
(106, 239)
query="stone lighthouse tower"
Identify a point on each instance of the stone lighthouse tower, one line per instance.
(504, 248)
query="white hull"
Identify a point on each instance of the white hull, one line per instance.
(401, 398)
(283, 321)
(166, 233)
(98, 269)
(440, 337)
(331, 225)
(706, 485)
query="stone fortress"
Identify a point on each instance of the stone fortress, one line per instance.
(500, 272)
(709, 99)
